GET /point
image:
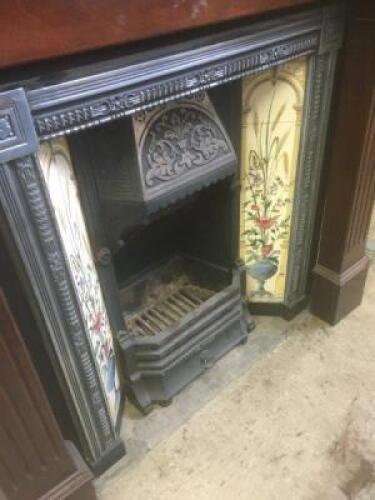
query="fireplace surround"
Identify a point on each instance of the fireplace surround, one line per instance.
(89, 105)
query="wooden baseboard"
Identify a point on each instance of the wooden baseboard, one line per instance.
(334, 295)
(77, 486)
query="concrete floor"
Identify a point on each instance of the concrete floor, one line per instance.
(291, 415)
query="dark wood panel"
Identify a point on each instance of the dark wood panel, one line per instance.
(34, 459)
(36, 29)
(340, 273)
(16, 290)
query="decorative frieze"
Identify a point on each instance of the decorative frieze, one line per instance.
(111, 106)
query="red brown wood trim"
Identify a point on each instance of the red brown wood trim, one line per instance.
(362, 204)
(34, 459)
(76, 486)
(345, 277)
(340, 273)
(34, 30)
(334, 298)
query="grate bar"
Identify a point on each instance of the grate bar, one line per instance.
(177, 304)
(186, 300)
(167, 311)
(162, 319)
(191, 296)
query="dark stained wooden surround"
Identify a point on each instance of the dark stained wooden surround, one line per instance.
(341, 269)
(35, 462)
(35, 29)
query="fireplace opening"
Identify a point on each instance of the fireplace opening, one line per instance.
(179, 293)
(164, 194)
(169, 268)
(201, 228)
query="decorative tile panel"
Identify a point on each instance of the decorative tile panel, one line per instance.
(61, 183)
(271, 127)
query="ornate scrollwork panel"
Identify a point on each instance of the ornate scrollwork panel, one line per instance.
(180, 140)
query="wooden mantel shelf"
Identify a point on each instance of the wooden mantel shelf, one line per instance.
(35, 29)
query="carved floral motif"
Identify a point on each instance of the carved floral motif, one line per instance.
(181, 139)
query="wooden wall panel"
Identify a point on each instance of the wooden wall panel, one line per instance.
(34, 460)
(341, 269)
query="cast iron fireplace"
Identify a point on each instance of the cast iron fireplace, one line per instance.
(120, 189)
(163, 188)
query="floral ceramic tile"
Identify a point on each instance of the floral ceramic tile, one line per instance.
(62, 186)
(272, 104)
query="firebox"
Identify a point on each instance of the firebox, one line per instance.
(164, 192)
